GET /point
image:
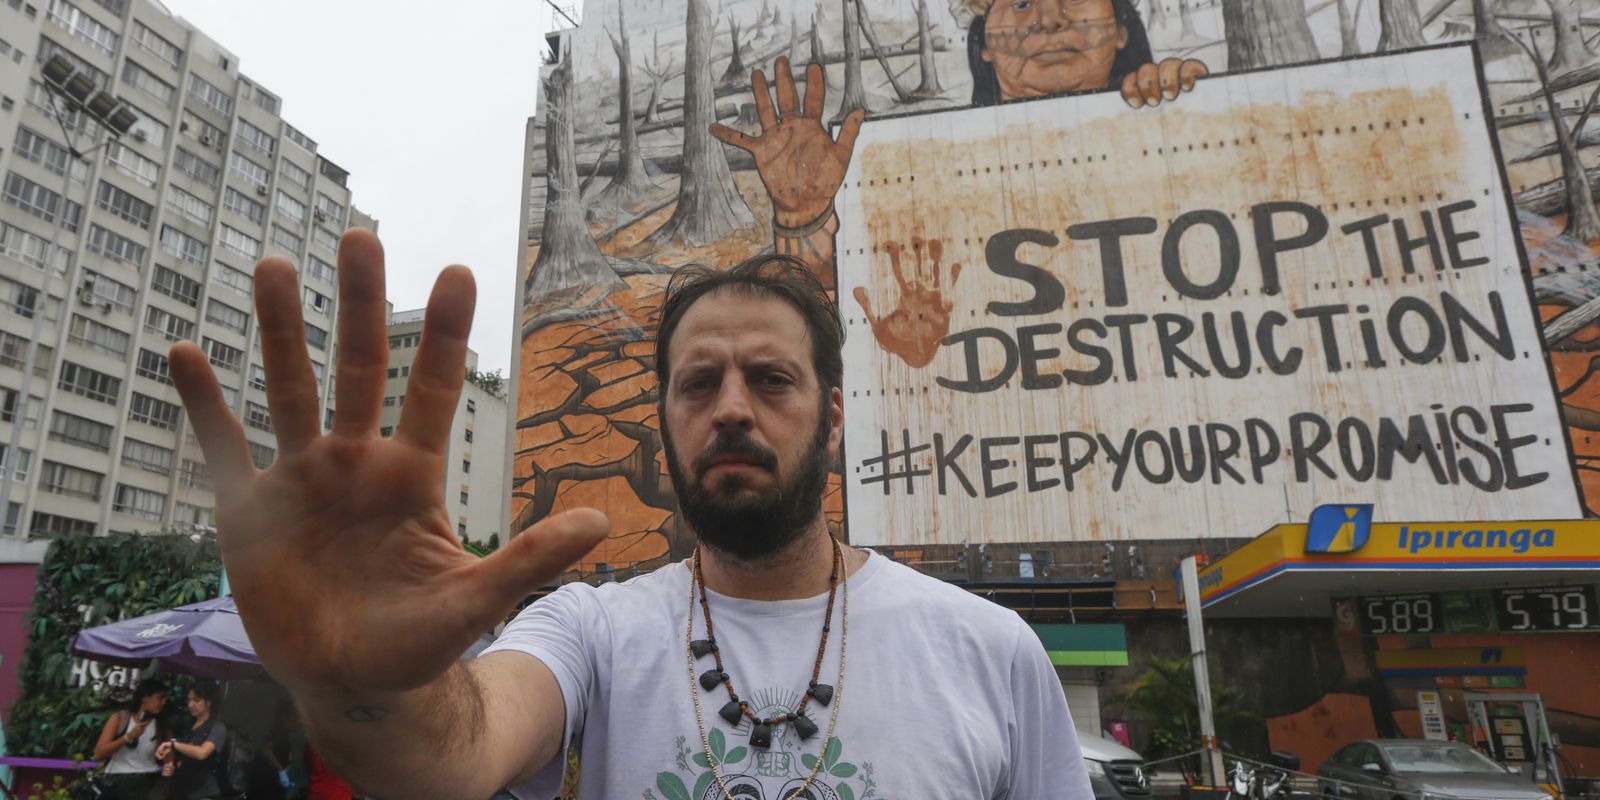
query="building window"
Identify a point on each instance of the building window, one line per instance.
(388, 402)
(151, 411)
(138, 502)
(153, 365)
(167, 325)
(472, 406)
(237, 241)
(8, 407)
(83, 26)
(71, 481)
(123, 204)
(80, 431)
(116, 247)
(214, 98)
(223, 356)
(177, 286)
(262, 141)
(14, 354)
(235, 201)
(321, 270)
(466, 465)
(55, 525)
(98, 289)
(24, 300)
(146, 81)
(146, 456)
(248, 171)
(463, 497)
(42, 202)
(190, 207)
(468, 434)
(193, 474)
(24, 462)
(196, 167)
(149, 131)
(296, 175)
(46, 153)
(183, 245)
(331, 209)
(325, 238)
(155, 44)
(85, 332)
(318, 302)
(257, 416)
(227, 316)
(300, 139)
(261, 455)
(258, 377)
(283, 238)
(290, 207)
(128, 162)
(186, 514)
(81, 380)
(387, 431)
(316, 337)
(49, 49)
(32, 250)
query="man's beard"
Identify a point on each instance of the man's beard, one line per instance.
(742, 522)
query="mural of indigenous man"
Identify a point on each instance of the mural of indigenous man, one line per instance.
(1033, 48)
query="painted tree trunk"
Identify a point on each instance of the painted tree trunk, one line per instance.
(1400, 24)
(630, 184)
(570, 268)
(1186, 31)
(854, 96)
(1264, 33)
(929, 87)
(1347, 30)
(818, 55)
(709, 205)
(1571, 49)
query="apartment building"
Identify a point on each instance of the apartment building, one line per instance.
(476, 491)
(142, 241)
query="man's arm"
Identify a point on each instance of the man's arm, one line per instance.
(447, 739)
(1045, 760)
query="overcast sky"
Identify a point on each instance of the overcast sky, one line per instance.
(425, 105)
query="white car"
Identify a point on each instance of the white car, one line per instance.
(1115, 772)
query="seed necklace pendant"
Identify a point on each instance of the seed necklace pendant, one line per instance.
(736, 709)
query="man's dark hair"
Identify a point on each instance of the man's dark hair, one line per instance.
(1130, 57)
(768, 275)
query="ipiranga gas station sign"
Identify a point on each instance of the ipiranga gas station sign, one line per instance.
(1071, 320)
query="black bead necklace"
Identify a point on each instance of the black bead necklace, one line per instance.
(736, 709)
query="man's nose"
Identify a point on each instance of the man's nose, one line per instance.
(732, 411)
(1053, 15)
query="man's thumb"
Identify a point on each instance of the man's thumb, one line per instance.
(542, 552)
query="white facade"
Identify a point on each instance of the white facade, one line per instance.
(158, 242)
(476, 491)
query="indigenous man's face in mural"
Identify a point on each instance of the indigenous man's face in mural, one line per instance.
(1040, 47)
(748, 429)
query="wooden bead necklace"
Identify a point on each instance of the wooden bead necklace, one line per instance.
(736, 709)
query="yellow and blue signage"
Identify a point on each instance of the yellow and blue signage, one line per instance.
(1344, 538)
(1338, 528)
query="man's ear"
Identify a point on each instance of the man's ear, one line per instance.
(835, 419)
(1122, 35)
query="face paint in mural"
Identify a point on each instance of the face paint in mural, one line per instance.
(746, 426)
(914, 329)
(1040, 47)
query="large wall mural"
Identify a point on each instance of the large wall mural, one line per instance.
(697, 131)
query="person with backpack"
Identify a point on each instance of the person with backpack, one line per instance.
(128, 742)
(199, 753)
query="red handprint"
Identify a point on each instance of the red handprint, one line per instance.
(914, 329)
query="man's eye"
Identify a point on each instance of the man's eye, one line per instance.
(695, 386)
(1021, 5)
(774, 380)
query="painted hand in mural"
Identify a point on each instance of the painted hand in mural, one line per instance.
(800, 164)
(914, 329)
(1152, 83)
(343, 557)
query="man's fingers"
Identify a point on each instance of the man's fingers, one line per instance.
(1167, 73)
(1130, 90)
(539, 555)
(816, 90)
(788, 100)
(860, 294)
(728, 135)
(1189, 72)
(440, 365)
(363, 334)
(220, 434)
(291, 385)
(768, 117)
(848, 131)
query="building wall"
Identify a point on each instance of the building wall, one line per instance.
(217, 179)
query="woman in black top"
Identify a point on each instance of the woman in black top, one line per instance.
(198, 752)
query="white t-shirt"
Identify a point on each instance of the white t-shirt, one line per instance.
(945, 695)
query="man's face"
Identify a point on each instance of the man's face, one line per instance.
(1041, 47)
(748, 429)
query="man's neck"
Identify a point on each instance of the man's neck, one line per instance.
(798, 570)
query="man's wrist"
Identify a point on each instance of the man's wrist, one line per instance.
(798, 226)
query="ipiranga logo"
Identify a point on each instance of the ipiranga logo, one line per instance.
(1519, 540)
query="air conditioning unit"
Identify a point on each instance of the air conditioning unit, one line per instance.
(205, 139)
(322, 216)
(183, 127)
(86, 295)
(140, 136)
(261, 190)
(105, 307)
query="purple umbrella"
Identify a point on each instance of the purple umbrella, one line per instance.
(204, 639)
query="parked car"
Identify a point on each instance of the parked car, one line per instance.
(1115, 772)
(1419, 769)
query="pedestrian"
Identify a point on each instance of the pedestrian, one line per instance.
(198, 753)
(279, 768)
(128, 742)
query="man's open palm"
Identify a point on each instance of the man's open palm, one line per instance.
(343, 558)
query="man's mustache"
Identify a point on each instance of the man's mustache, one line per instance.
(738, 445)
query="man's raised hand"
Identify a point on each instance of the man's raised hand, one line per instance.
(342, 556)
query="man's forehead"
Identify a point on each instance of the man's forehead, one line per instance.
(749, 325)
